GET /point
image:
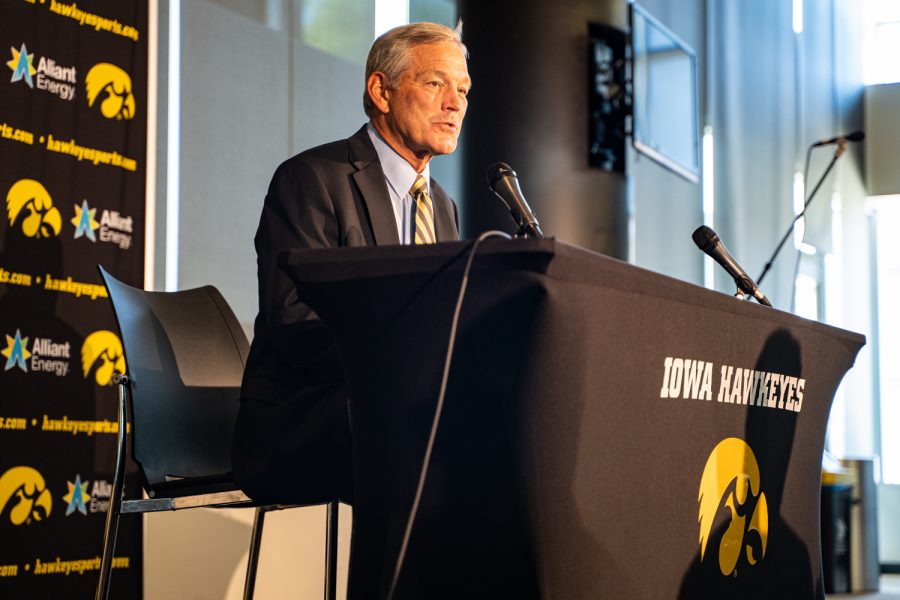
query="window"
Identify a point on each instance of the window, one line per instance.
(887, 330)
(881, 42)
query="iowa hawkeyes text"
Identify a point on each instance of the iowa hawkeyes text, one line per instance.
(696, 379)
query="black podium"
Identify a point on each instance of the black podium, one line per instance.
(608, 432)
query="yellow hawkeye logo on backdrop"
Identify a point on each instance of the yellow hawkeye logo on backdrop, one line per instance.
(30, 207)
(731, 481)
(108, 79)
(104, 350)
(24, 495)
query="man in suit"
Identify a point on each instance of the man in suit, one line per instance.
(292, 438)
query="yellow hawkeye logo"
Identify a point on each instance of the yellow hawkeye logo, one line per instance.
(104, 350)
(28, 205)
(24, 491)
(731, 482)
(119, 101)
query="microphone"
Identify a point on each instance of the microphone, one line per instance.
(504, 182)
(707, 240)
(856, 136)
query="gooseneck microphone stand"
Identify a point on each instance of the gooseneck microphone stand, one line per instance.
(841, 148)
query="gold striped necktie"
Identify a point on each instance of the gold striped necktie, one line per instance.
(424, 213)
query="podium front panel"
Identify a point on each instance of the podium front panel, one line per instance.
(608, 432)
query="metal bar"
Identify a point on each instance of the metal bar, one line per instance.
(331, 549)
(112, 513)
(232, 498)
(255, 546)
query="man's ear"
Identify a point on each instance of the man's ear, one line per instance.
(378, 91)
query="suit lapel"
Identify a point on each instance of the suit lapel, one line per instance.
(445, 226)
(369, 179)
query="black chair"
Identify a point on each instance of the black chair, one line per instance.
(185, 354)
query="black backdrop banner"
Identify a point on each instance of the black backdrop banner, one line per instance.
(73, 139)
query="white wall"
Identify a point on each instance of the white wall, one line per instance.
(201, 554)
(883, 139)
(882, 105)
(247, 105)
(251, 96)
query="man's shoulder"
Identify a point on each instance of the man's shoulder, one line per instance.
(336, 150)
(330, 155)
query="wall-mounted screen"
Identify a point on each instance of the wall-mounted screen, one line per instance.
(664, 88)
(608, 101)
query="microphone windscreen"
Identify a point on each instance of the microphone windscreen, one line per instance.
(856, 136)
(497, 171)
(705, 238)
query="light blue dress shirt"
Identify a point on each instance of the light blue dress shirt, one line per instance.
(400, 177)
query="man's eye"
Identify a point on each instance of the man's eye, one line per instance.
(463, 91)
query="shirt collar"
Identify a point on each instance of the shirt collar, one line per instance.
(399, 174)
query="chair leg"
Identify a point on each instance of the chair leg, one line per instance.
(259, 520)
(331, 548)
(115, 501)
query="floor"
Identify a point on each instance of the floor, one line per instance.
(890, 590)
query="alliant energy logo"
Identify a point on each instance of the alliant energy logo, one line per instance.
(22, 65)
(79, 500)
(30, 209)
(113, 85)
(24, 496)
(731, 482)
(116, 229)
(102, 350)
(16, 352)
(46, 356)
(77, 497)
(113, 227)
(84, 222)
(49, 76)
(101, 492)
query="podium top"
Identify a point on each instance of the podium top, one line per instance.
(548, 257)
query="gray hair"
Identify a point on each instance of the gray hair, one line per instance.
(390, 52)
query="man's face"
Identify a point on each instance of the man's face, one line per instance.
(425, 109)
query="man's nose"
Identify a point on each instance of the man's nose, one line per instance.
(454, 101)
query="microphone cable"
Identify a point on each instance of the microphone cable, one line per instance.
(426, 460)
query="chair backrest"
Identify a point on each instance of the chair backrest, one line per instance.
(185, 354)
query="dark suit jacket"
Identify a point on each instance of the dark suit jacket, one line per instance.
(292, 439)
